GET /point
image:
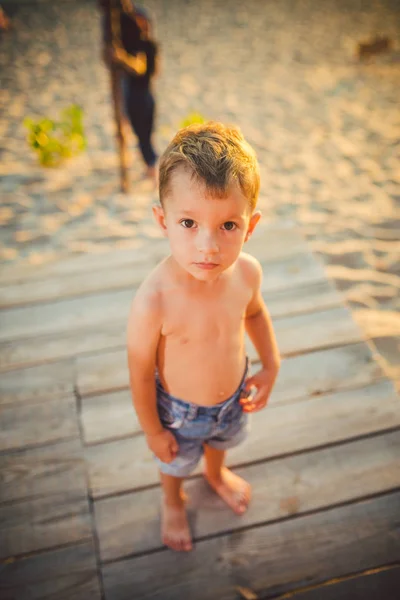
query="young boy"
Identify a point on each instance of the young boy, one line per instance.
(187, 362)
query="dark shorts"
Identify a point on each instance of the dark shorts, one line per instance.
(221, 426)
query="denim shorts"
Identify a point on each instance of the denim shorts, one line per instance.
(221, 426)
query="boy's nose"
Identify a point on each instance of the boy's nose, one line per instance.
(207, 243)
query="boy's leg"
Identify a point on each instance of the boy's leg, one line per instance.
(175, 531)
(234, 490)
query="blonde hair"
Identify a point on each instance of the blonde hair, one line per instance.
(216, 155)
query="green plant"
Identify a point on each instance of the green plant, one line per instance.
(192, 119)
(55, 141)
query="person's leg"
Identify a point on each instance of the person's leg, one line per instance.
(140, 110)
(234, 490)
(148, 151)
(175, 531)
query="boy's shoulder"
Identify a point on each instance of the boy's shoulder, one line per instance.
(250, 268)
(150, 292)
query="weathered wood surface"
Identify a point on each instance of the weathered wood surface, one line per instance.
(126, 269)
(41, 471)
(302, 298)
(313, 331)
(267, 241)
(102, 328)
(38, 384)
(143, 251)
(107, 417)
(130, 523)
(47, 519)
(127, 464)
(374, 584)
(113, 305)
(65, 315)
(28, 293)
(56, 347)
(63, 574)
(268, 559)
(29, 425)
(309, 373)
(296, 335)
(22, 298)
(329, 437)
(110, 416)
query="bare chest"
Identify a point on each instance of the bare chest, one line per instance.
(189, 317)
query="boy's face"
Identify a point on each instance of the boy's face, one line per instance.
(206, 234)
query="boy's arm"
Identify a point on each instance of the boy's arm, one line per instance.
(259, 327)
(261, 332)
(144, 330)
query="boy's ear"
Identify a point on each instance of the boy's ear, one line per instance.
(158, 214)
(255, 217)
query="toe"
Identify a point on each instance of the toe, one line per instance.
(187, 545)
(179, 545)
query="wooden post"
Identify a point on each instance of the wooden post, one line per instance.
(117, 99)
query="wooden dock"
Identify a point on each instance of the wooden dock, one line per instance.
(79, 498)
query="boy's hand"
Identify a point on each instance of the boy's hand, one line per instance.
(163, 445)
(263, 381)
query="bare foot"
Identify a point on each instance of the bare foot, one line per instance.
(234, 490)
(175, 532)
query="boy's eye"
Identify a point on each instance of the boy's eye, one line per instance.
(187, 223)
(229, 226)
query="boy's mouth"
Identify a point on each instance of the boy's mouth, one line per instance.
(207, 266)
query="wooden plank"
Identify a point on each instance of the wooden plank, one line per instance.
(65, 315)
(142, 250)
(29, 425)
(269, 560)
(72, 285)
(35, 351)
(76, 339)
(89, 310)
(42, 471)
(38, 384)
(302, 298)
(65, 574)
(313, 331)
(295, 335)
(103, 372)
(299, 268)
(129, 524)
(324, 371)
(308, 374)
(127, 464)
(266, 242)
(111, 416)
(42, 522)
(374, 584)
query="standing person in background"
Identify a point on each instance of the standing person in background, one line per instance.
(5, 24)
(129, 44)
